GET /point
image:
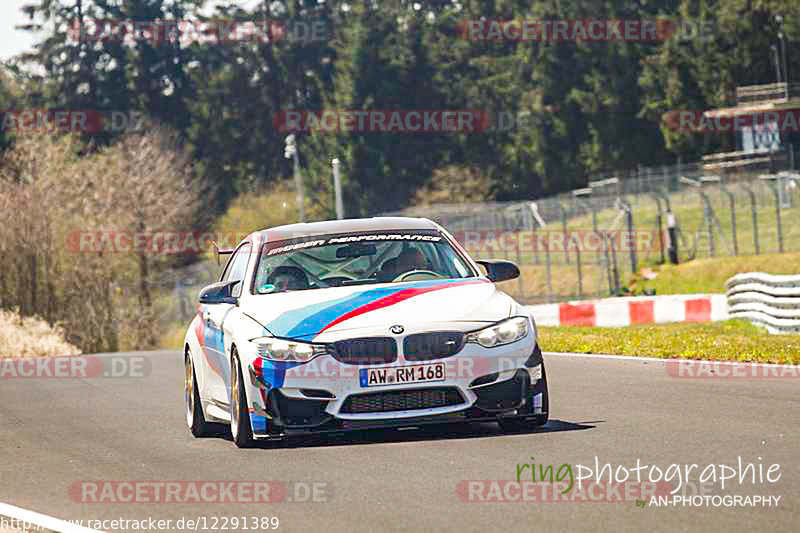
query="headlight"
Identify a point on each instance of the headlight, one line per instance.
(283, 350)
(505, 332)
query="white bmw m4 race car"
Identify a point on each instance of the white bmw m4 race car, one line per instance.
(352, 324)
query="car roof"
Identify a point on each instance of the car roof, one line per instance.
(351, 225)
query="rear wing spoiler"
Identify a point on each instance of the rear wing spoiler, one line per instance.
(221, 251)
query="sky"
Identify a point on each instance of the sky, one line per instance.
(13, 41)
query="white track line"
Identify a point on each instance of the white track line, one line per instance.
(661, 360)
(41, 520)
(601, 356)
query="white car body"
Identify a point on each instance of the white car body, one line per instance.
(316, 393)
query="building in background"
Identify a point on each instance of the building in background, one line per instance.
(761, 146)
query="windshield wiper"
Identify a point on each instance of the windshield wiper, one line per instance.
(363, 281)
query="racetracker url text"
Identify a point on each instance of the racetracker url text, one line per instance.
(199, 523)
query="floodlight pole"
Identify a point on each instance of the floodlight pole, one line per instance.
(337, 188)
(291, 151)
(782, 37)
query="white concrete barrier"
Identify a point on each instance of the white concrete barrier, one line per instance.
(765, 299)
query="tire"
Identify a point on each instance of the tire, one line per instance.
(195, 419)
(241, 430)
(518, 424)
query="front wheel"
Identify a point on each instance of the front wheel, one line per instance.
(195, 419)
(241, 430)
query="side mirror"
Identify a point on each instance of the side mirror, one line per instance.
(499, 270)
(219, 293)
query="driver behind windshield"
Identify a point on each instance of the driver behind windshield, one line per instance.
(288, 278)
(411, 259)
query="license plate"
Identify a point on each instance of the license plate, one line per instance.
(401, 375)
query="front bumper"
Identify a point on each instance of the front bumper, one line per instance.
(481, 384)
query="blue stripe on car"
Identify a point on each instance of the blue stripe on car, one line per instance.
(313, 318)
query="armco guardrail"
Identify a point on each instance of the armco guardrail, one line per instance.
(765, 299)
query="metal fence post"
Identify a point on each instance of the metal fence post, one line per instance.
(548, 273)
(578, 265)
(608, 263)
(503, 234)
(518, 247)
(709, 223)
(658, 225)
(614, 268)
(564, 229)
(754, 211)
(732, 202)
(778, 215)
(631, 235)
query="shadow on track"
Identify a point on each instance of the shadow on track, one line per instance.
(422, 433)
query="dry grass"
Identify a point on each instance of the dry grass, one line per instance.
(31, 337)
(172, 338)
(710, 274)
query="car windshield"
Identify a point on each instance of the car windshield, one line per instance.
(357, 259)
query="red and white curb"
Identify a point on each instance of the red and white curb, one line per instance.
(624, 311)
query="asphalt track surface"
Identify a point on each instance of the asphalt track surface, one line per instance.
(54, 432)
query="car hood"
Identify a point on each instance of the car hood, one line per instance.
(310, 313)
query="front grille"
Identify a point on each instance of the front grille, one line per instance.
(435, 345)
(366, 351)
(405, 400)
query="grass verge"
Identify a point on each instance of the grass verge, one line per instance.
(697, 276)
(709, 275)
(731, 340)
